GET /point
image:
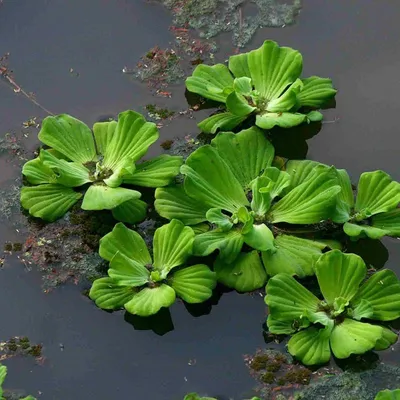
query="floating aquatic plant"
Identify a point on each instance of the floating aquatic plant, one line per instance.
(264, 83)
(232, 186)
(96, 165)
(3, 374)
(195, 396)
(142, 284)
(388, 395)
(335, 322)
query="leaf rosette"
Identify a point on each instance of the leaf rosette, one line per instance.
(264, 83)
(143, 284)
(334, 323)
(232, 190)
(96, 165)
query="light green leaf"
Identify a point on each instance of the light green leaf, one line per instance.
(345, 199)
(339, 275)
(268, 120)
(125, 167)
(310, 202)
(36, 172)
(245, 274)
(302, 170)
(247, 153)
(243, 85)
(48, 201)
(363, 310)
(260, 238)
(150, 300)
(217, 217)
(382, 291)
(238, 105)
(225, 121)
(388, 338)
(69, 136)
(102, 197)
(157, 172)
(377, 193)
(287, 100)
(228, 243)
(280, 181)
(131, 211)
(3, 374)
(108, 295)
(293, 256)
(261, 195)
(314, 116)
(315, 92)
(388, 222)
(172, 245)
(173, 202)
(311, 346)
(210, 82)
(273, 68)
(132, 138)
(388, 395)
(127, 272)
(353, 337)
(125, 242)
(195, 396)
(354, 230)
(238, 65)
(103, 134)
(70, 174)
(279, 327)
(28, 398)
(287, 299)
(194, 284)
(210, 180)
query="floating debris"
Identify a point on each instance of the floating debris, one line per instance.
(20, 346)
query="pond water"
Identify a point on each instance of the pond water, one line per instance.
(92, 354)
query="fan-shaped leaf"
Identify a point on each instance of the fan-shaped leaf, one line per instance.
(354, 230)
(131, 211)
(388, 338)
(36, 172)
(243, 85)
(238, 65)
(315, 92)
(225, 121)
(127, 272)
(194, 284)
(268, 120)
(287, 100)
(345, 199)
(388, 222)
(237, 104)
(302, 170)
(217, 217)
(260, 238)
(103, 134)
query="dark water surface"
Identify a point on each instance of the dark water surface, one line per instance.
(92, 354)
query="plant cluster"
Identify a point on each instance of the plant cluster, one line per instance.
(263, 217)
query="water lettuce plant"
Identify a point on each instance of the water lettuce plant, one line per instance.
(3, 374)
(264, 83)
(143, 284)
(388, 395)
(96, 165)
(232, 186)
(334, 323)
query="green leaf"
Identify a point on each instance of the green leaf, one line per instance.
(125, 167)
(261, 195)
(315, 92)
(194, 284)
(287, 100)
(245, 274)
(382, 291)
(363, 310)
(210, 82)
(172, 245)
(311, 346)
(195, 396)
(301, 171)
(287, 299)
(107, 294)
(238, 64)
(125, 242)
(3, 374)
(345, 199)
(131, 211)
(157, 172)
(217, 217)
(225, 121)
(210, 180)
(228, 243)
(283, 327)
(267, 120)
(273, 68)
(388, 338)
(247, 153)
(243, 85)
(280, 180)
(103, 134)
(36, 172)
(388, 395)
(377, 193)
(173, 202)
(127, 272)
(354, 230)
(293, 256)
(339, 275)
(70, 174)
(238, 105)
(314, 116)
(28, 398)
(388, 222)
(150, 300)
(48, 201)
(102, 197)
(260, 238)
(69, 136)
(310, 202)
(132, 138)
(353, 337)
